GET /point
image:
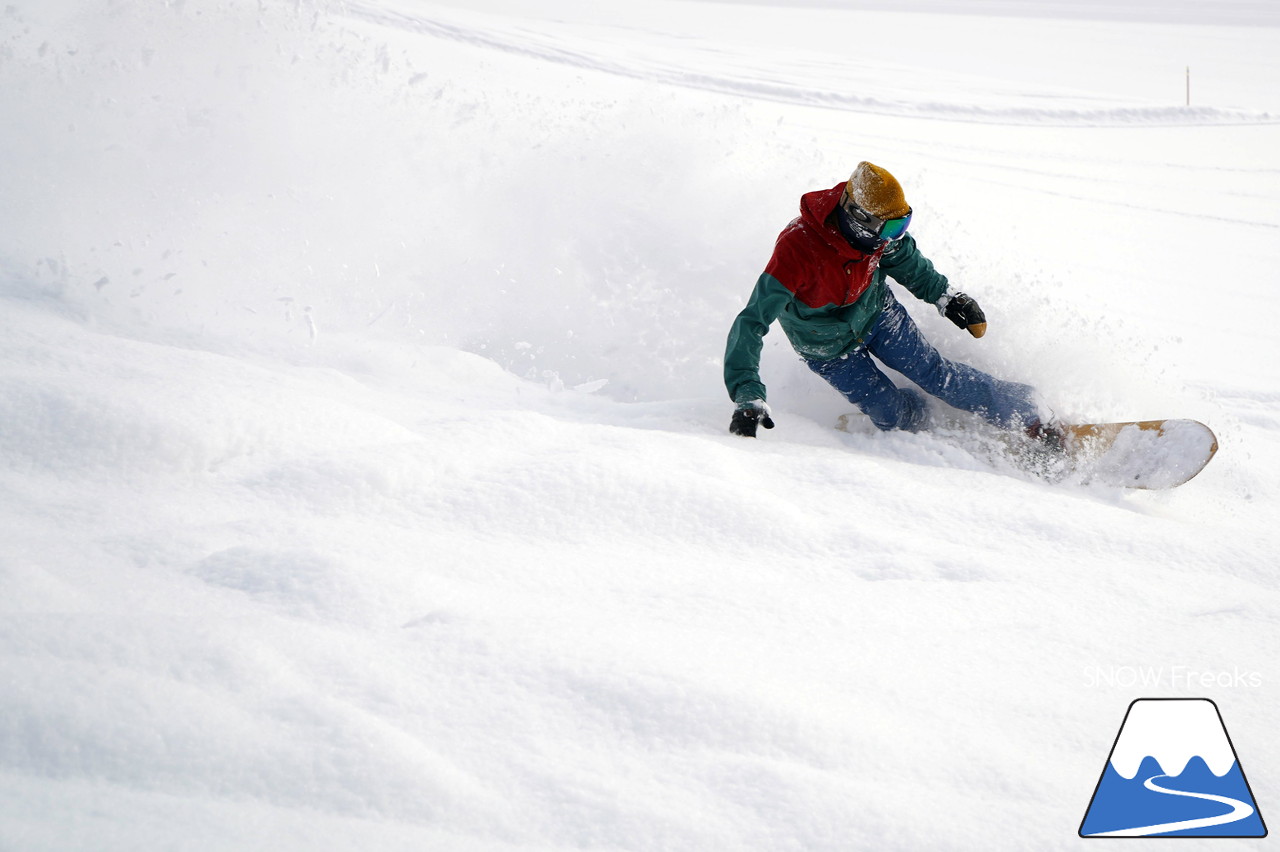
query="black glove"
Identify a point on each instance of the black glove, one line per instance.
(747, 417)
(965, 313)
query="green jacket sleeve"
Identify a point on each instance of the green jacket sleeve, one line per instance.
(904, 263)
(746, 339)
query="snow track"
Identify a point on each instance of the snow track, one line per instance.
(783, 75)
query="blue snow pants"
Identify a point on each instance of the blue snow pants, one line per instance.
(897, 342)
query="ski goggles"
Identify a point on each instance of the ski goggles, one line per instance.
(882, 229)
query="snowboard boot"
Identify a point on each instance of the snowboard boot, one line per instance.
(1045, 454)
(1048, 436)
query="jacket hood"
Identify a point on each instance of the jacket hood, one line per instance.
(816, 208)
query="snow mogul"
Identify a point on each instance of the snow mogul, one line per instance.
(825, 285)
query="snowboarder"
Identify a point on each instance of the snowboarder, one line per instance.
(825, 284)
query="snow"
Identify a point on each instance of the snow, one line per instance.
(364, 470)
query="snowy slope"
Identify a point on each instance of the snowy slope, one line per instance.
(364, 474)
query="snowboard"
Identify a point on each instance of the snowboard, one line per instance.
(1141, 454)
(1147, 454)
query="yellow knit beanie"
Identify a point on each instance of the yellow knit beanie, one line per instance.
(877, 192)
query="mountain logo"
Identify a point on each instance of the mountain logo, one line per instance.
(1172, 772)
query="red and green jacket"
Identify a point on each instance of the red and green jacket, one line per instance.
(825, 293)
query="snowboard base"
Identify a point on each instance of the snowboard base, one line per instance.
(1147, 454)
